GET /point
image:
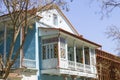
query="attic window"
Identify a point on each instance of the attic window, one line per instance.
(55, 19)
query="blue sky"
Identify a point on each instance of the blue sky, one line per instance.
(86, 19)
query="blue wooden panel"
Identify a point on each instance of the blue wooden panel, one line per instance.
(29, 46)
(16, 48)
(1, 47)
(9, 38)
(1, 42)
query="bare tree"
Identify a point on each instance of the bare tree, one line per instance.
(19, 15)
(107, 6)
(114, 33)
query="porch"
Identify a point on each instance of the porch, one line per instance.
(65, 54)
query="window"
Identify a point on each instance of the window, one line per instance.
(79, 55)
(49, 48)
(70, 53)
(87, 56)
(55, 19)
(49, 51)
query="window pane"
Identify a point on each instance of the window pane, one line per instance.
(87, 56)
(79, 55)
(44, 52)
(71, 53)
(47, 51)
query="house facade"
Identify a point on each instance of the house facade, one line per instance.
(54, 50)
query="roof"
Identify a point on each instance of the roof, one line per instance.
(76, 36)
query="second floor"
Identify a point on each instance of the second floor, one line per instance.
(61, 50)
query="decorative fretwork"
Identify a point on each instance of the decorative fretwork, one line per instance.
(55, 50)
(44, 52)
(62, 50)
(50, 40)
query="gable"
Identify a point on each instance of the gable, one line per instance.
(62, 22)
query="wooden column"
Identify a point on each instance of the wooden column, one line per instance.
(83, 56)
(66, 48)
(90, 55)
(59, 53)
(75, 54)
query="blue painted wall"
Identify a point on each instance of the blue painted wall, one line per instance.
(29, 45)
(8, 43)
(17, 46)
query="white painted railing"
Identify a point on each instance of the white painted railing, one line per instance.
(79, 66)
(29, 63)
(63, 63)
(88, 68)
(66, 64)
(71, 64)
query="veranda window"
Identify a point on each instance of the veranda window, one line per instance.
(87, 55)
(50, 48)
(79, 55)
